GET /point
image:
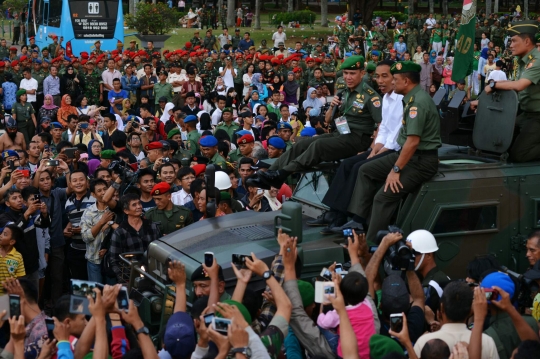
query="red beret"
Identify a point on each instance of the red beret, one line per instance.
(73, 60)
(54, 37)
(84, 55)
(247, 138)
(13, 48)
(166, 51)
(84, 61)
(280, 56)
(160, 188)
(153, 145)
(142, 52)
(188, 44)
(276, 61)
(193, 54)
(14, 63)
(197, 47)
(114, 52)
(297, 69)
(199, 169)
(318, 60)
(249, 57)
(308, 59)
(2, 64)
(23, 58)
(118, 58)
(168, 56)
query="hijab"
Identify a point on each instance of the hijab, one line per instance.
(256, 81)
(432, 56)
(484, 53)
(290, 87)
(438, 66)
(92, 166)
(124, 109)
(166, 117)
(311, 102)
(52, 106)
(91, 156)
(64, 105)
(69, 76)
(448, 66)
(273, 201)
(253, 103)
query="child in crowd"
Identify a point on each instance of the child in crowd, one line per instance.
(11, 261)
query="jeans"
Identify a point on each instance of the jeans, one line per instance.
(94, 272)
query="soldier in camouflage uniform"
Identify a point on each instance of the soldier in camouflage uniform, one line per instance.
(235, 39)
(425, 36)
(497, 35)
(411, 34)
(205, 17)
(343, 37)
(196, 39)
(306, 46)
(329, 72)
(209, 75)
(93, 83)
(223, 16)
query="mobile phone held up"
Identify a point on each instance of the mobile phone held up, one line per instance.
(49, 323)
(323, 290)
(240, 259)
(396, 322)
(221, 325)
(209, 259)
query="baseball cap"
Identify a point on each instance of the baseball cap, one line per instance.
(179, 338)
(395, 296)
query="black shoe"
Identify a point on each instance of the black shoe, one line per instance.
(272, 178)
(351, 224)
(256, 182)
(324, 219)
(339, 220)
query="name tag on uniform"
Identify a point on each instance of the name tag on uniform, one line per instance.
(342, 125)
(358, 104)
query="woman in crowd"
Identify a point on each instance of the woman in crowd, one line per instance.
(311, 99)
(220, 87)
(250, 71)
(261, 88)
(48, 110)
(84, 109)
(291, 89)
(71, 83)
(65, 110)
(9, 90)
(449, 85)
(94, 150)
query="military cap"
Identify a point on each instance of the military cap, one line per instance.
(190, 118)
(281, 43)
(153, 146)
(353, 63)
(225, 195)
(308, 132)
(405, 66)
(209, 59)
(108, 154)
(371, 66)
(227, 109)
(375, 53)
(200, 274)
(9, 153)
(97, 42)
(318, 44)
(160, 188)
(208, 141)
(37, 61)
(277, 142)
(284, 126)
(242, 133)
(56, 125)
(523, 27)
(172, 133)
(20, 92)
(246, 114)
(248, 138)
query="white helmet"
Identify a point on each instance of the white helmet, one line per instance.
(222, 181)
(423, 241)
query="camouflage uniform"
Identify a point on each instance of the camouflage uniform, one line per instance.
(195, 41)
(411, 35)
(92, 87)
(170, 221)
(235, 40)
(4, 52)
(308, 48)
(210, 80)
(343, 37)
(497, 35)
(223, 17)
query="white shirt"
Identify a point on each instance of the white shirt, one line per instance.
(392, 114)
(228, 78)
(495, 75)
(277, 37)
(224, 39)
(108, 76)
(31, 84)
(173, 77)
(431, 23)
(181, 197)
(216, 116)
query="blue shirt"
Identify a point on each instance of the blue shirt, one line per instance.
(400, 47)
(9, 90)
(51, 85)
(245, 45)
(116, 96)
(130, 84)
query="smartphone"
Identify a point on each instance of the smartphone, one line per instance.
(208, 259)
(37, 198)
(83, 288)
(491, 294)
(260, 191)
(83, 126)
(326, 274)
(396, 322)
(11, 165)
(49, 323)
(373, 249)
(70, 152)
(25, 173)
(339, 267)
(323, 290)
(221, 325)
(52, 163)
(208, 318)
(14, 305)
(45, 148)
(347, 232)
(123, 299)
(240, 259)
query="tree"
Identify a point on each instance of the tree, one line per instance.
(488, 7)
(231, 11)
(431, 6)
(411, 7)
(445, 7)
(290, 6)
(257, 14)
(14, 6)
(324, 13)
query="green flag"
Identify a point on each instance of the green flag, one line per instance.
(464, 52)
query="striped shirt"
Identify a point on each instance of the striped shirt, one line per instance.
(11, 266)
(74, 210)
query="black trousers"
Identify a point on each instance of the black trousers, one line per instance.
(340, 192)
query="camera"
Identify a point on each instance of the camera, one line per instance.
(165, 159)
(135, 124)
(122, 169)
(399, 256)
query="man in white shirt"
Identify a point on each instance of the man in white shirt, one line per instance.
(176, 79)
(224, 38)
(186, 175)
(228, 73)
(279, 36)
(456, 303)
(497, 74)
(341, 192)
(430, 22)
(30, 85)
(216, 116)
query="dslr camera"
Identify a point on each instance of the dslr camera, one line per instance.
(122, 169)
(399, 256)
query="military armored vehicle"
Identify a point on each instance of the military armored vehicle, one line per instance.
(477, 203)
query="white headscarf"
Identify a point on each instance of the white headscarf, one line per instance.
(165, 117)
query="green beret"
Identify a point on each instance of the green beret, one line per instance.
(224, 195)
(209, 59)
(242, 308)
(405, 66)
(523, 27)
(371, 66)
(20, 92)
(227, 109)
(381, 345)
(353, 63)
(174, 131)
(108, 154)
(307, 293)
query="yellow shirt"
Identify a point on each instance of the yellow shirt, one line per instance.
(87, 137)
(11, 266)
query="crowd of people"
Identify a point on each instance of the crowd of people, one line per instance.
(106, 152)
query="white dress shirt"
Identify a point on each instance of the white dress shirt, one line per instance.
(392, 114)
(108, 76)
(216, 116)
(181, 197)
(31, 84)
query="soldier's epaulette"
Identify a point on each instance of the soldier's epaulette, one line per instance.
(368, 89)
(411, 99)
(530, 56)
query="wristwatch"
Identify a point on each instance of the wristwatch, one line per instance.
(266, 275)
(245, 350)
(143, 330)
(492, 85)
(396, 169)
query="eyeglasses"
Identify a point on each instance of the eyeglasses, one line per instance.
(188, 178)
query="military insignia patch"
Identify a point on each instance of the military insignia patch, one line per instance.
(358, 64)
(413, 112)
(156, 192)
(377, 103)
(529, 65)
(403, 122)
(399, 66)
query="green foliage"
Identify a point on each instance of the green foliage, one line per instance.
(386, 14)
(155, 19)
(304, 17)
(15, 6)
